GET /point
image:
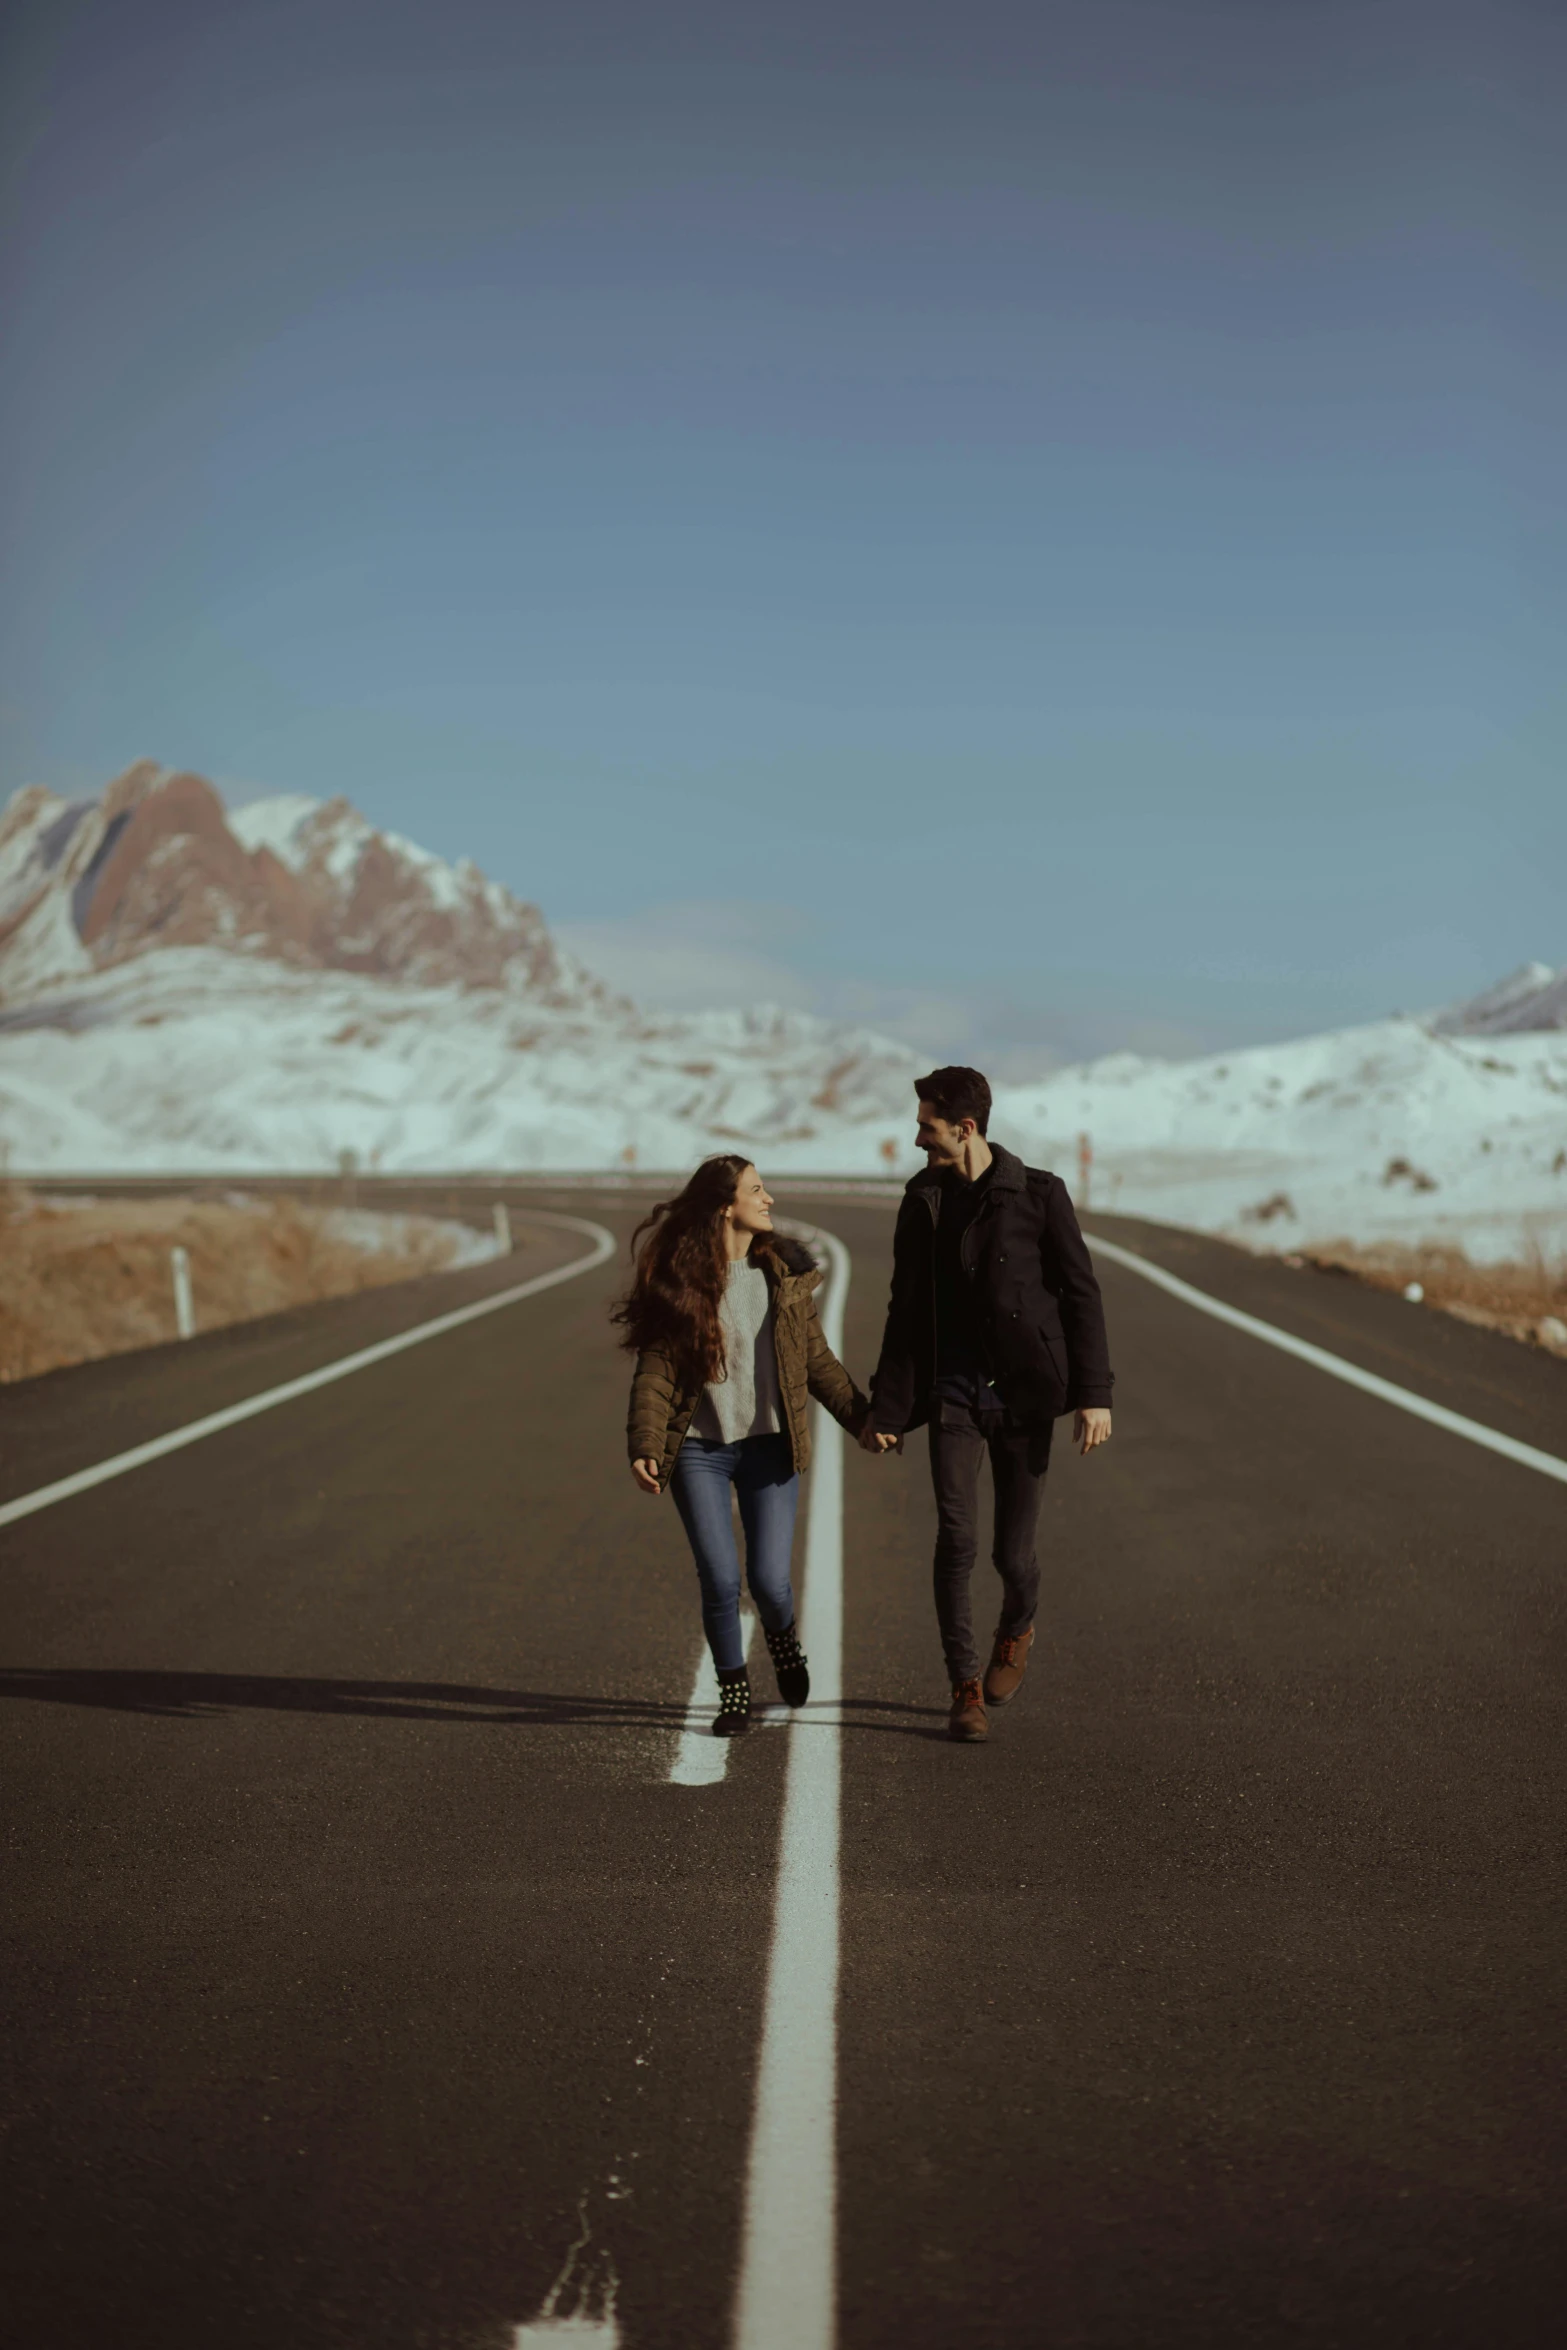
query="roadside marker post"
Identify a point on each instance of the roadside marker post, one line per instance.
(184, 1302)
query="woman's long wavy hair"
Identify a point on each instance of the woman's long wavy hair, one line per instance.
(682, 1268)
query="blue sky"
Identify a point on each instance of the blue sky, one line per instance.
(1040, 529)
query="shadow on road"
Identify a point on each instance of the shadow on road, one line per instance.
(204, 1696)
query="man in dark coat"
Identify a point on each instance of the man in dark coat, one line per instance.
(994, 1329)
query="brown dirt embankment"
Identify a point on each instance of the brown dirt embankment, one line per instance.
(83, 1278)
(1528, 1301)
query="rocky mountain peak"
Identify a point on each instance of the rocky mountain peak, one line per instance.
(157, 862)
(1532, 997)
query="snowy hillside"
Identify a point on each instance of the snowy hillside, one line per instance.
(1391, 1131)
(182, 989)
(191, 1059)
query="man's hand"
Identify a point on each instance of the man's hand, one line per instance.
(1090, 1428)
(646, 1475)
(877, 1440)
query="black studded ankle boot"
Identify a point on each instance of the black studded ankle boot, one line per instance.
(794, 1682)
(734, 1704)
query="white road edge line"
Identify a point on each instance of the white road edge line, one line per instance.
(787, 2292)
(194, 1430)
(1527, 1455)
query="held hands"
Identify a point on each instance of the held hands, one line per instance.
(1090, 1428)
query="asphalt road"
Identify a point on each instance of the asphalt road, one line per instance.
(362, 1958)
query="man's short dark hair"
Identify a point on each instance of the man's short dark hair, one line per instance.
(955, 1094)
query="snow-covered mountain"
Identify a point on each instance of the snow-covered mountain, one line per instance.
(184, 988)
(157, 863)
(1397, 1130)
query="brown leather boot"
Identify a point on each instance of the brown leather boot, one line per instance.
(967, 1718)
(1008, 1664)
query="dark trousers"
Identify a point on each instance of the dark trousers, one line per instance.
(1019, 1458)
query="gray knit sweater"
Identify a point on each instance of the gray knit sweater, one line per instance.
(746, 1401)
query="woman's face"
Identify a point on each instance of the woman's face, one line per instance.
(752, 1208)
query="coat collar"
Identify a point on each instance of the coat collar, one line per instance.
(1007, 1173)
(789, 1264)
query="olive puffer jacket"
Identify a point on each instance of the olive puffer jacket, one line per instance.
(662, 1404)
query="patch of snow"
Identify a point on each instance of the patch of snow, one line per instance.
(276, 824)
(43, 948)
(375, 1232)
(198, 1059)
(450, 886)
(35, 835)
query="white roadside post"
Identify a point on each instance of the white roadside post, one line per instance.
(184, 1304)
(502, 1229)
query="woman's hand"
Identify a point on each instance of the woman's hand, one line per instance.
(646, 1475)
(1091, 1427)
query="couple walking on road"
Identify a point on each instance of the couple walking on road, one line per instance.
(994, 1330)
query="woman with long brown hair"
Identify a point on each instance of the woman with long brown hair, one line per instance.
(721, 1316)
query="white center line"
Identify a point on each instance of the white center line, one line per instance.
(1528, 1456)
(194, 1430)
(788, 2270)
(701, 1760)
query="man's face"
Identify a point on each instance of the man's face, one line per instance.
(942, 1143)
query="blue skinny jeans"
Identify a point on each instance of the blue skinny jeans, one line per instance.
(760, 1472)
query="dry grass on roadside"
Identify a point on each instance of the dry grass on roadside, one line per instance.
(1526, 1300)
(89, 1278)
